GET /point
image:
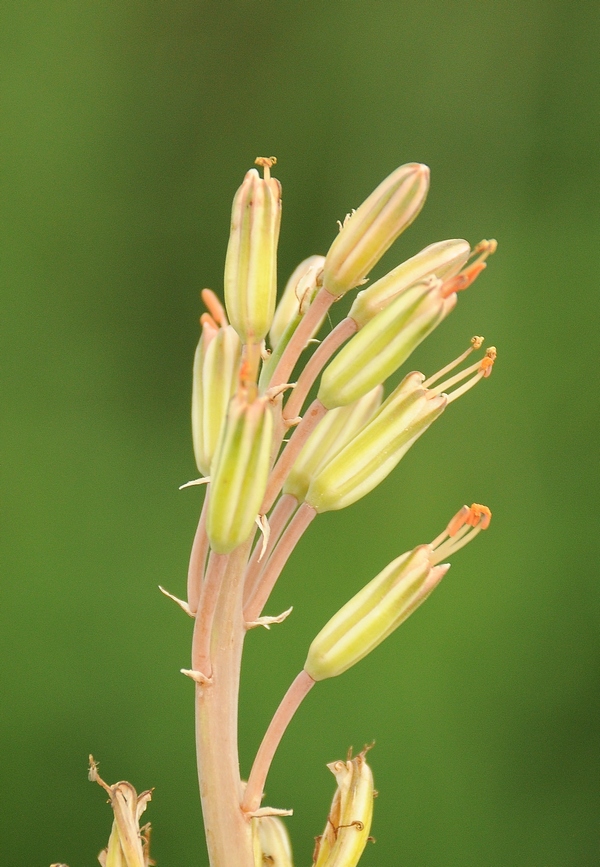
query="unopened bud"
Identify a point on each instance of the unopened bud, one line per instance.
(443, 260)
(349, 822)
(272, 846)
(251, 262)
(297, 296)
(392, 596)
(371, 230)
(333, 432)
(215, 377)
(375, 612)
(239, 472)
(374, 452)
(378, 349)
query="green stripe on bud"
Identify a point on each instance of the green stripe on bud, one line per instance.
(443, 260)
(372, 229)
(378, 349)
(349, 822)
(375, 451)
(251, 262)
(239, 472)
(216, 367)
(375, 612)
(333, 432)
(271, 843)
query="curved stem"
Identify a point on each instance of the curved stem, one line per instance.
(277, 561)
(312, 417)
(345, 329)
(283, 715)
(321, 304)
(198, 558)
(280, 515)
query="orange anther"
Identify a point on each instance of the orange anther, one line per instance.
(487, 362)
(479, 514)
(265, 162)
(463, 280)
(458, 521)
(214, 306)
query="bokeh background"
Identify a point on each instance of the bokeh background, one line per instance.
(126, 128)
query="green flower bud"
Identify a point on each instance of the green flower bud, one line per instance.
(372, 229)
(239, 472)
(330, 436)
(378, 349)
(297, 296)
(392, 596)
(443, 260)
(374, 452)
(215, 377)
(251, 262)
(349, 822)
(375, 612)
(271, 843)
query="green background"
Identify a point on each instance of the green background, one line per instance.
(126, 128)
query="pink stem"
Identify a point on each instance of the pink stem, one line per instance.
(277, 561)
(228, 831)
(321, 304)
(283, 715)
(312, 417)
(345, 329)
(280, 515)
(217, 565)
(198, 558)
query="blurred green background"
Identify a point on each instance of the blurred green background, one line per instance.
(126, 128)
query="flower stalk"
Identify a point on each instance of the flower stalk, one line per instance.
(271, 468)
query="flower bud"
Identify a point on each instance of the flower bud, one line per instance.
(371, 230)
(443, 260)
(297, 296)
(392, 596)
(333, 432)
(215, 377)
(349, 821)
(374, 452)
(239, 471)
(251, 262)
(378, 349)
(271, 842)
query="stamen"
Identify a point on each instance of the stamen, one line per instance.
(209, 327)
(463, 280)
(463, 527)
(214, 307)
(476, 343)
(267, 163)
(458, 377)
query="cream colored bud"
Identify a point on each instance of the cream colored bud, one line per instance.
(297, 296)
(378, 349)
(239, 472)
(373, 614)
(215, 377)
(251, 262)
(349, 822)
(371, 230)
(337, 428)
(374, 452)
(272, 847)
(442, 260)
